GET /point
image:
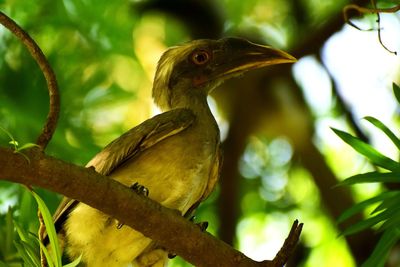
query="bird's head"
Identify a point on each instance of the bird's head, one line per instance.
(193, 69)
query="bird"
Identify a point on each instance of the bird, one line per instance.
(174, 157)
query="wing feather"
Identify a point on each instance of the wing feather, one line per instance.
(214, 174)
(128, 145)
(213, 178)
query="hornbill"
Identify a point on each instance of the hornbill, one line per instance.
(175, 155)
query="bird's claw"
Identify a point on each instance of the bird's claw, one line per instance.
(140, 190)
(171, 255)
(202, 225)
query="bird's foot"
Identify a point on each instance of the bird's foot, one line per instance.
(202, 225)
(140, 190)
(171, 255)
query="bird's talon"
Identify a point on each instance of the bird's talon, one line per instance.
(92, 168)
(119, 225)
(140, 189)
(171, 255)
(202, 225)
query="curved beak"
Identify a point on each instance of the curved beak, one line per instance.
(239, 55)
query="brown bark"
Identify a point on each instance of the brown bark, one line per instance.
(149, 217)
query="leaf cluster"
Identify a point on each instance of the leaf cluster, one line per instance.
(27, 244)
(386, 214)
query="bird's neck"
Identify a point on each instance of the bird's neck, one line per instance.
(199, 106)
(195, 100)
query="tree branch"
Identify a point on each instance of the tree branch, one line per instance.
(35, 51)
(141, 213)
(374, 9)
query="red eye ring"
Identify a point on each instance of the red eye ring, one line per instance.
(200, 57)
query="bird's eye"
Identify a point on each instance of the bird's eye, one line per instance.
(200, 57)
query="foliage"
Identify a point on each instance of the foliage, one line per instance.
(22, 247)
(385, 215)
(8, 254)
(104, 54)
(16, 146)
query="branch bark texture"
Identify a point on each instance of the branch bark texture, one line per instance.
(155, 221)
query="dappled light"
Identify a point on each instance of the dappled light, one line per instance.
(282, 161)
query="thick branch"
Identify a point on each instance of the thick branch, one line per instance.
(178, 235)
(40, 58)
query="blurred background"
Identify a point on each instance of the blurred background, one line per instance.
(282, 160)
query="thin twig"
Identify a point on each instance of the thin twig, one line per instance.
(378, 20)
(374, 9)
(40, 58)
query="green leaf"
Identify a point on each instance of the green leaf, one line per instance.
(396, 91)
(9, 232)
(368, 151)
(381, 251)
(24, 254)
(12, 140)
(367, 223)
(29, 244)
(47, 255)
(74, 263)
(14, 143)
(384, 129)
(388, 203)
(32, 252)
(356, 208)
(26, 146)
(372, 177)
(393, 221)
(8, 134)
(21, 233)
(50, 229)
